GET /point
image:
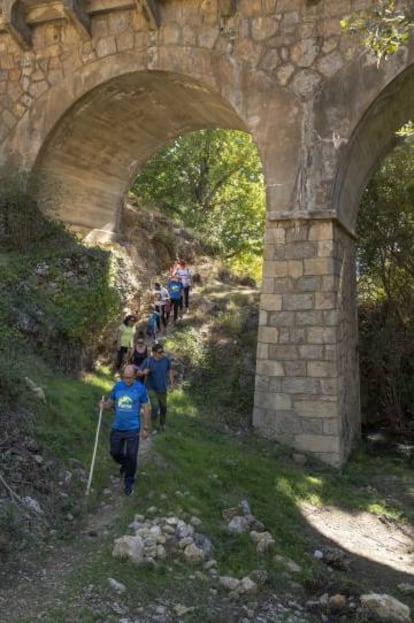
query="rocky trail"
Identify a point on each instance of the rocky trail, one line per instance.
(360, 547)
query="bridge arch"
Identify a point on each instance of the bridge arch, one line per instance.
(372, 139)
(94, 152)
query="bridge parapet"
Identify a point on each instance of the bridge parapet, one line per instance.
(19, 17)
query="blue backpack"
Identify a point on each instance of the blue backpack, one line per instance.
(151, 324)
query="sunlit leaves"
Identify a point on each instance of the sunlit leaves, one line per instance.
(383, 29)
(212, 182)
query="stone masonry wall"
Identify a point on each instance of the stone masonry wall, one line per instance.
(300, 362)
(348, 425)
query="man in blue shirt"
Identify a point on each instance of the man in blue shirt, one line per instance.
(127, 397)
(158, 372)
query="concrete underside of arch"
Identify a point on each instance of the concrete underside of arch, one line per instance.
(93, 154)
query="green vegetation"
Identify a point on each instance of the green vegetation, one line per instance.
(197, 470)
(56, 295)
(211, 181)
(383, 28)
(386, 288)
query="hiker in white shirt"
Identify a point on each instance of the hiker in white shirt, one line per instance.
(161, 299)
(184, 273)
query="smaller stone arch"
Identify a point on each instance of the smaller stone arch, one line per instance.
(372, 139)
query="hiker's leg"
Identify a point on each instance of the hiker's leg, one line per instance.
(155, 406)
(162, 400)
(120, 354)
(158, 309)
(116, 446)
(131, 455)
(163, 316)
(186, 296)
(176, 304)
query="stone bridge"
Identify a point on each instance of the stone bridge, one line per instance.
(90, 89)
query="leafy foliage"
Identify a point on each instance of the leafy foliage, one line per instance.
(210, 181)
(383, 28)
(386, 287)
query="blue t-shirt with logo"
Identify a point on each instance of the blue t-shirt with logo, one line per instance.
(128, 400)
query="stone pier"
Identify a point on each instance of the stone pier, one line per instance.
(307, 335)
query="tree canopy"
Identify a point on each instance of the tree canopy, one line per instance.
(210, 181)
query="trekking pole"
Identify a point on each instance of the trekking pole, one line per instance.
(88, 486)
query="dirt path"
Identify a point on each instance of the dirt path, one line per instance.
(377, 553)
(38, 585)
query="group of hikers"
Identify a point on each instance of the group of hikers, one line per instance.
(144, 377)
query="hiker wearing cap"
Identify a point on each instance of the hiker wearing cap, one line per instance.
(126, 333)
(184, 273)
(158, 372)
(127, 397)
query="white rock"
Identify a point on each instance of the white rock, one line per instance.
(238, 524)
(118, 587)
(193, 553)
(181, 610)
(161, 552)
(289, 564)
(131, 547)
(387, 608)
(228, 582)
(32, 504)
(248, 586)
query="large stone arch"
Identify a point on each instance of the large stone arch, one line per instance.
(168, 103)
(93, 153)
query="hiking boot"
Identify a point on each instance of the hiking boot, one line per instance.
(129, 489)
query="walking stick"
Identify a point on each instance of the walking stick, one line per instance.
(88, 486)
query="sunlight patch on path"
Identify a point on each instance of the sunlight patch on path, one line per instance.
(365, 535)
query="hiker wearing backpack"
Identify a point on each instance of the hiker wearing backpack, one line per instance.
(158, 372)
(151, 329)
(175, 289)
